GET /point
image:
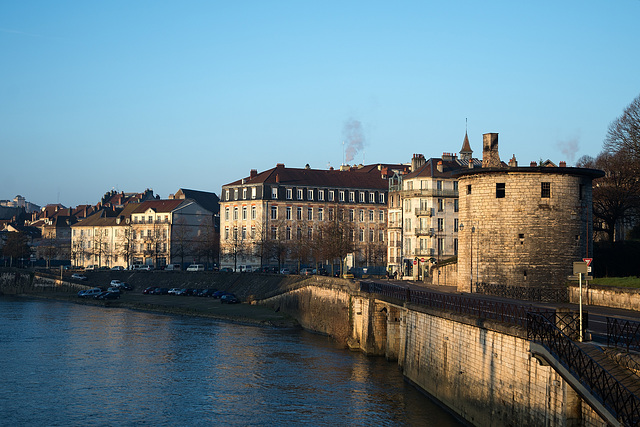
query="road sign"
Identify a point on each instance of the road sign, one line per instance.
(588, 261)
(576, 278)
(415, 262)
(588, 269)
(580, 267)
(423, 260)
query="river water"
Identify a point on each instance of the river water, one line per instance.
(64, 364)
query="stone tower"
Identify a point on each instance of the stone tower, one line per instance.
(522, 226)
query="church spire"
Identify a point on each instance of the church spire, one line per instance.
(466, 153)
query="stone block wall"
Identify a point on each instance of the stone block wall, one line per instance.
(606, 296)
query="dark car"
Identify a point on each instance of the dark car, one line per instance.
(108, 295)
(229, 299)
(218, 294)
(208, 293)
(226, 270)
(125, 286)
(160, 291)
(149, 290)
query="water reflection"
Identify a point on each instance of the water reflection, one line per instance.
(67, 364)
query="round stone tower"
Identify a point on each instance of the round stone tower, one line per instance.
(522, 226)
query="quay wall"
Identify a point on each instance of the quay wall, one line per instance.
(606, 296)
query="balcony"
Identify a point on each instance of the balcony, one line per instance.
(424, 232)
(424, 211)
(393, 224)
(428, 193)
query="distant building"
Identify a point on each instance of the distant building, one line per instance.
(287, 217)
(19, 202)
(522, 226)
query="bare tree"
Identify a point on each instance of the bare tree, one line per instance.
(126, 245)
(181, 240)
(624, 132)
(617, 194)
(234, 247)
(337, 241)
(208, 242)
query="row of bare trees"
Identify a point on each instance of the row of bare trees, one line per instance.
(329, 242)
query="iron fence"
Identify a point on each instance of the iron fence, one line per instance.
(619, 400)
(540, 294)
(623, 333)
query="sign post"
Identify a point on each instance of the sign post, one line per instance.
(580, 268)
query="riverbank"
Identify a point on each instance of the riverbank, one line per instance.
(244, 313)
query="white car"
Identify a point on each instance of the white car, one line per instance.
(174, 291)
(115, 283)
(78, 276)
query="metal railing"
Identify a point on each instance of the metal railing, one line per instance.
(487, 309)
(623, 333)
(619, 400)
(540, 294)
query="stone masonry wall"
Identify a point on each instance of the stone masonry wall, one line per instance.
(522, 239)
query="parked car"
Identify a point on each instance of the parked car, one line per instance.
(160, 291)
(115, 283)
(195, 267)
(149, 290)
(117, 268)
(229, 299)
(77, 276)
(125, 286)
(208, 293)
(174, 291)
(113, 289)
(108, 295)
(143, 267)
(89, 293)
(182, 292)
(285, 271)
(218, 294)
(173, 267)
(306, 271)
(92, 267)
(226, 270)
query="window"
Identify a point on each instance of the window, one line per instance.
(299, 233)
(455, 224)
(439, 185)
(361, 235)
(310, 233)
(274, 212)
(244, 213)
(372, 197)
(440, 205)
(310, 194)
(469, 189)
(253, 232)
(321, 195)
(581, 191)
(352, 215)
(381, 198)
(361, 196)
(331, 195)
(244, 233)
(455, 246)
(371, 215)
(274, 193)
(244, 193)
(253, 192)
(341, 195)
(289, 193)
(150, 219)
(299, 213)
(235, 233)
(288, 233)
(500, 190)
(545, 190)
(381, 216)
(352, 196)
(226, 194)
(226, 214)
(235, 214)
(299, 195)
(440, 224)
(288, 212)
(455, 186)
(310, 214)
(320, 212)
(361, 215)
(235, 194)
(253, 212)
(371, 234)
(380, 235)
(330, 214)
(456, 205)
(274, 233)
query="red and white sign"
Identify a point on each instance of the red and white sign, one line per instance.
(588, 261)
(415, 262)
(423, 260)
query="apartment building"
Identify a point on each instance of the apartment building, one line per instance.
(295, 217)
(423, 212)
(155, 232)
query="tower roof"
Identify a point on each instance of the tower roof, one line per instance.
(466, 147)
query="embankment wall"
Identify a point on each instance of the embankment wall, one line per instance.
(606, 296)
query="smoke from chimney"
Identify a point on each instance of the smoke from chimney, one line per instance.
(354, 138)
(569, 147)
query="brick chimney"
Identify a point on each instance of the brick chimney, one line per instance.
(440, 166)
(253, 173)
(563, 164)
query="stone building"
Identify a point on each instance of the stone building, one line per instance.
(522, 226)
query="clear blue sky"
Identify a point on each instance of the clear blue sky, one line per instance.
(193, 94)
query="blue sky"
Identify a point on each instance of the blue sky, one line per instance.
(194, 94)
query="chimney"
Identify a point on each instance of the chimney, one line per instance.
(513, 162)
(563, 164)
(490, 155)
(533, 164)
(470, 163)
(277, 178)
(416, 162)
(440, 166)
(253, 173)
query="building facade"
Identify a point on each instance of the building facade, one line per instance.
(423, 213)
(289, 217)
(522, 226)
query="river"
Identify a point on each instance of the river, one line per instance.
(68, 364)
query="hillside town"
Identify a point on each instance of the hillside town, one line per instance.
(398, 220)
